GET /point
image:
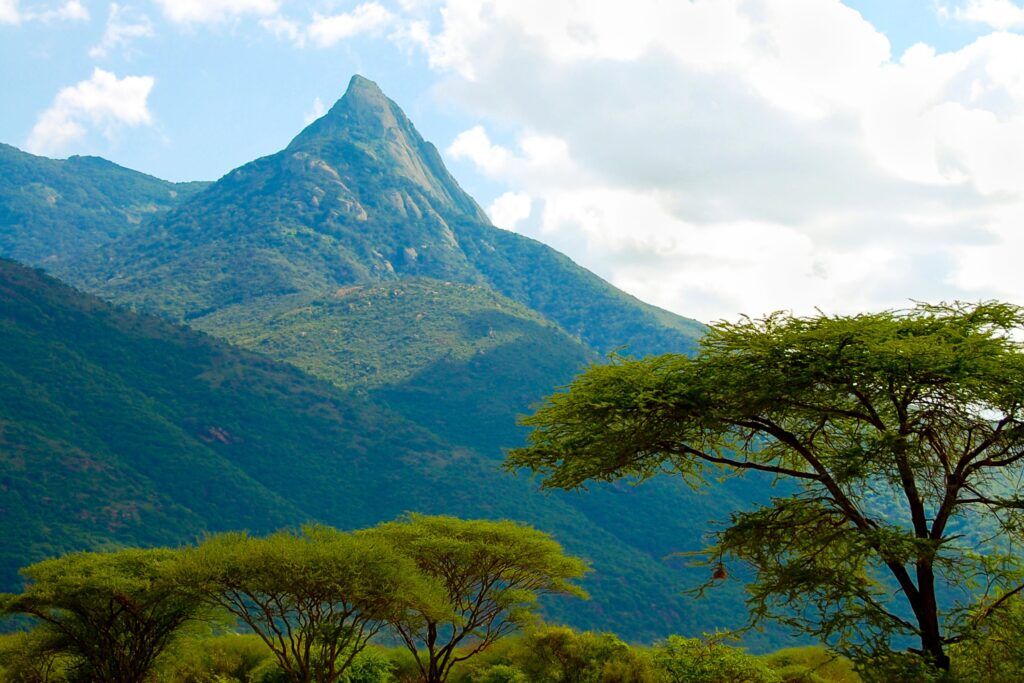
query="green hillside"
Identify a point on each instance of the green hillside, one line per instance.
(52, 210)
(426, 347)
(118, 428)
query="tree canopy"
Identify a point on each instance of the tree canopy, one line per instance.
(107, 616)
(899, 437)
(492, 573)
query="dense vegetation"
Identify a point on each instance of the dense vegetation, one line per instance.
(55, 210)
(323, 605)
(901, 435)
(117, 428)
(461, 596)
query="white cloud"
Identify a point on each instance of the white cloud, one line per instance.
(124, 26)
(211, 11)
(329, 30)
(725, 156)
(316, 112)
(104, 102)
(71, 10)
(475, 145)
(284, 28)
(510, 209)
(11, 12)
(325, 31)
(999, 14)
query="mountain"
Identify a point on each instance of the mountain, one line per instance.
(52, 210)
(357, 197)
(356, 259)
(292, 255)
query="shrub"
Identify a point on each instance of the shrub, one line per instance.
(691, 660)
(811, 665)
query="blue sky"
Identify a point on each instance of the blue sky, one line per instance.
(786, 168)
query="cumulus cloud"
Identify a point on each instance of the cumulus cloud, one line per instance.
(11, 12)
(327, 30)
(124, 26)
(725, 156)
(72, 10)
(510, 209)
(999, 14)
(211, 11)
(284, 28)
(104, 102)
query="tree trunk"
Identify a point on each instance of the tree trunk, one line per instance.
(928, 618)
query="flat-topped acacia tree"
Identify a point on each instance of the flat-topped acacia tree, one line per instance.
(315, 598)
(900, 436)
(492, 573)
(107, 616)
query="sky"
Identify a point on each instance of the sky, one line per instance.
(713, 157)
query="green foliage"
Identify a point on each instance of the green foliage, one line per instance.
(372, 665)
(110, 615)
(425, 347)
(492, 574)
(116, 428)
(560, 655)
(994, 651)
(26, 658)
(895, 431)
(218, 659)
(691, 660)
(811, 664)
(315, 598)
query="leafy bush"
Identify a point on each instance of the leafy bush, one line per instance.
(218, 659)
(23, 659)
(502, 673)
(691, 660)
(372, 665)
(557, 654)
(811, 665)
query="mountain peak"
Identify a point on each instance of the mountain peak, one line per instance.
(367, 123)
(364, 112)
(362, 87)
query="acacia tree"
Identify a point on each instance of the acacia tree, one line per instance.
(492, 573)
(315, 598)
(108, 616)
(901, 438)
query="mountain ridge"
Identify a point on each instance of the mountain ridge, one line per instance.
(52, 210)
